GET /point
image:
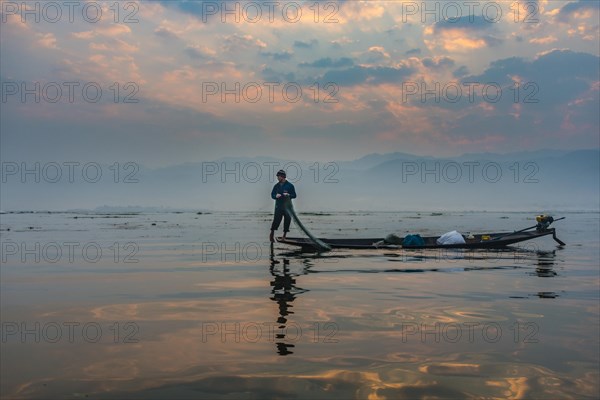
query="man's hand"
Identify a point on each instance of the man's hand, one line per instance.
(277, 196)
(286, 194)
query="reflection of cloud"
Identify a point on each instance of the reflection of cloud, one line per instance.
(452, 369)
(189, 309)
(516, 388)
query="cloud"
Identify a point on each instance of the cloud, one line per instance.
(195, 8)
(373, 75)
(467, 23)
(551, 97)
(199, 52)
(438, 62)
(352, 11)
(547, 84)
(466, 34)
(165, 33)
(176, 52)
(543, 40)
(279, 56)
(567, 63)
(271, 75)
(15, 21)
(106, 31)
(377, 54)
(47, 40)
(114, 30)
(581, 18)
(339, 43)
(329, 63)
(115, 45)
(86, 35)
(237, 42)
(461, 71)
(306, 45)
(577, 9)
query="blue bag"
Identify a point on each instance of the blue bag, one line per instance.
(413, 240)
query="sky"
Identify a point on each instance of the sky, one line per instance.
(167, 82)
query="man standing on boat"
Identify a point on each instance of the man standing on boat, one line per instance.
(282, 192)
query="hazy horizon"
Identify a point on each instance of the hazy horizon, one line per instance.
(531, 181)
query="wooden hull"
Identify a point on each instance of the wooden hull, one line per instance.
(495, 240)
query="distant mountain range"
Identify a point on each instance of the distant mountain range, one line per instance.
(540, 180)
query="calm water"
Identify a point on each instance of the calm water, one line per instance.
(186, 305)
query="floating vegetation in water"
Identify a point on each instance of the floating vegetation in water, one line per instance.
(315, 213)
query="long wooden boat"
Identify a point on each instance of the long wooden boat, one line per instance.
(480, 241)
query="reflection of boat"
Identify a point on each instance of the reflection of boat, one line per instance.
(545, 264)
(481, 241)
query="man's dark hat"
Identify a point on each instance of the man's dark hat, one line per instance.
(281, 173)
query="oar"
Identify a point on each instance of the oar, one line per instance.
(557, 240)
(535, 226)
(526, 229)
(319, 244)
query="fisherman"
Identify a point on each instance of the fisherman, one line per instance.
(282, 191)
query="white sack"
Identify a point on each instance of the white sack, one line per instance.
(451, 238)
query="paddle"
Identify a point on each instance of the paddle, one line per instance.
(535, 226)
(531, 227)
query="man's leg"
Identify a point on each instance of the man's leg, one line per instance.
(286, 223)
(276, 221)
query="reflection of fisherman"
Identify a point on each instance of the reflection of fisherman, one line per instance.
(283, 293)
(282, 191)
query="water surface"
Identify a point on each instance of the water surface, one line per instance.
(187, 305)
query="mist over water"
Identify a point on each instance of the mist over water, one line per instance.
(540, 181)
(198, 305)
